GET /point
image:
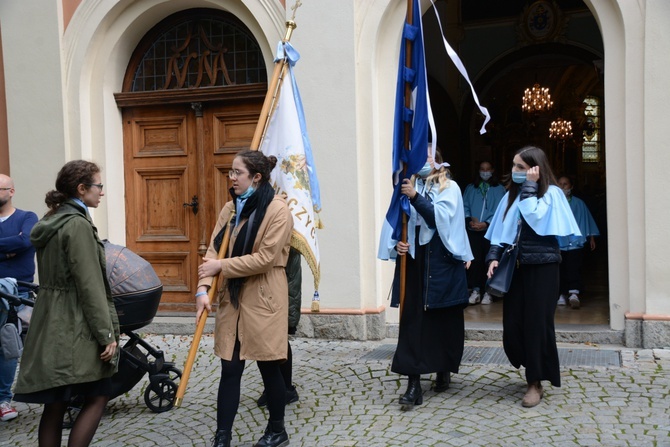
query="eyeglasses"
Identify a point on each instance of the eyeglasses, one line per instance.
(234, 173)
(99, 185)
(5, 189)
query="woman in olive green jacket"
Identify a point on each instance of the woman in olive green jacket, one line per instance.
(71, 346)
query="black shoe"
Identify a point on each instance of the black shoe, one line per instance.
(275, 435)
(413, 395)
(291, 395)
(263, 400)
(222, 438)
(442, 381)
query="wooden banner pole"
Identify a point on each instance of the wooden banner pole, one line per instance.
(407, 134)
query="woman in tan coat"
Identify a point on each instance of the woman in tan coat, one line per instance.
(252, 317)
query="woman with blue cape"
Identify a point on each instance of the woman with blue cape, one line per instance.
(480, 201)
(537, 210)
(572, 254)
(432, 328)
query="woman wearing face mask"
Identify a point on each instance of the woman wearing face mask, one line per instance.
(480, 200)
(432, 329)
(252, 317)
(539, 207)
(572, 254)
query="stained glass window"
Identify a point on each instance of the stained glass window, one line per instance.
(591, 130)
(200, 52)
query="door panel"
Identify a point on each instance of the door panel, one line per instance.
(160, 136)
(173, 154)
(158, 205)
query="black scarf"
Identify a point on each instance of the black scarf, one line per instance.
(257, 202)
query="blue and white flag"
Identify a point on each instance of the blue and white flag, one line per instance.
(419, 117)
(295, 174)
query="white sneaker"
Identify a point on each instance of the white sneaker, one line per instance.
(474, 297)
(488, 299)
(7, 412)
(562, 301)
(574, 301)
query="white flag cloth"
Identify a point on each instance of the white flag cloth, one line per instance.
(295, 175)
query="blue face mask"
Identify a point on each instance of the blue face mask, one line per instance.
(518, 177)
(425, 170)
(485, 175)
(250, 190)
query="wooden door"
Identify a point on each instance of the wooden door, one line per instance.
(177, 157)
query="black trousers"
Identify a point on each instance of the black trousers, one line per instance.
(529, 337)
(228, 400)
(477, 271)
(571, 270)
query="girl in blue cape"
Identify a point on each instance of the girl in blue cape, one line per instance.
(539, 207)
(572, 255)
(432, 327)
(480, 201)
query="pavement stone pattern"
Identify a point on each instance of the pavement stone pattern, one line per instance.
(349, 398)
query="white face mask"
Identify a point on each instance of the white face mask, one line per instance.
(485, 175)
(567, 192)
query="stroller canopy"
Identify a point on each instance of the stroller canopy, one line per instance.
(127, 272)
(135, 287)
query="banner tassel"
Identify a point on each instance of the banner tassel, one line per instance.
(315, 301)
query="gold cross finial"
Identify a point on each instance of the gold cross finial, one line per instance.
(294, 8)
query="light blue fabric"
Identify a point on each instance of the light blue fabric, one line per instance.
(239, 206)
(586, 224)
(423, 172)
(449, 219)
(480, 207)
(245, 195)
(548, 215)
(518, 177)
(81, 203)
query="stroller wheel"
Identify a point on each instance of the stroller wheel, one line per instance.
(173, 372)
(160, 395)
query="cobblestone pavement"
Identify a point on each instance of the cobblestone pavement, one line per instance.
(348, 397)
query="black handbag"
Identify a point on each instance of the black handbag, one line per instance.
(498, 284)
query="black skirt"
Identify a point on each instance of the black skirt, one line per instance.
(67, 393)
(529, 337)
(429, 340)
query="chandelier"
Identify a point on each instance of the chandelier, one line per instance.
(536, 99)
(560, 129)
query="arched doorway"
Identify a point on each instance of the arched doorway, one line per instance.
(191, 98)
(507, 47)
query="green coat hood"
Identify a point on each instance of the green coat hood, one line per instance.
(46, 228)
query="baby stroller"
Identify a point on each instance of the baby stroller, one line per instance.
(137, 291)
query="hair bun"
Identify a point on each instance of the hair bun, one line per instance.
(54, 199)
(273, 161)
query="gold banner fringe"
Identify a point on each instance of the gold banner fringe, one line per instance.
(298, 242)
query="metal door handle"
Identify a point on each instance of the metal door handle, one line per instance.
(193, 204)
